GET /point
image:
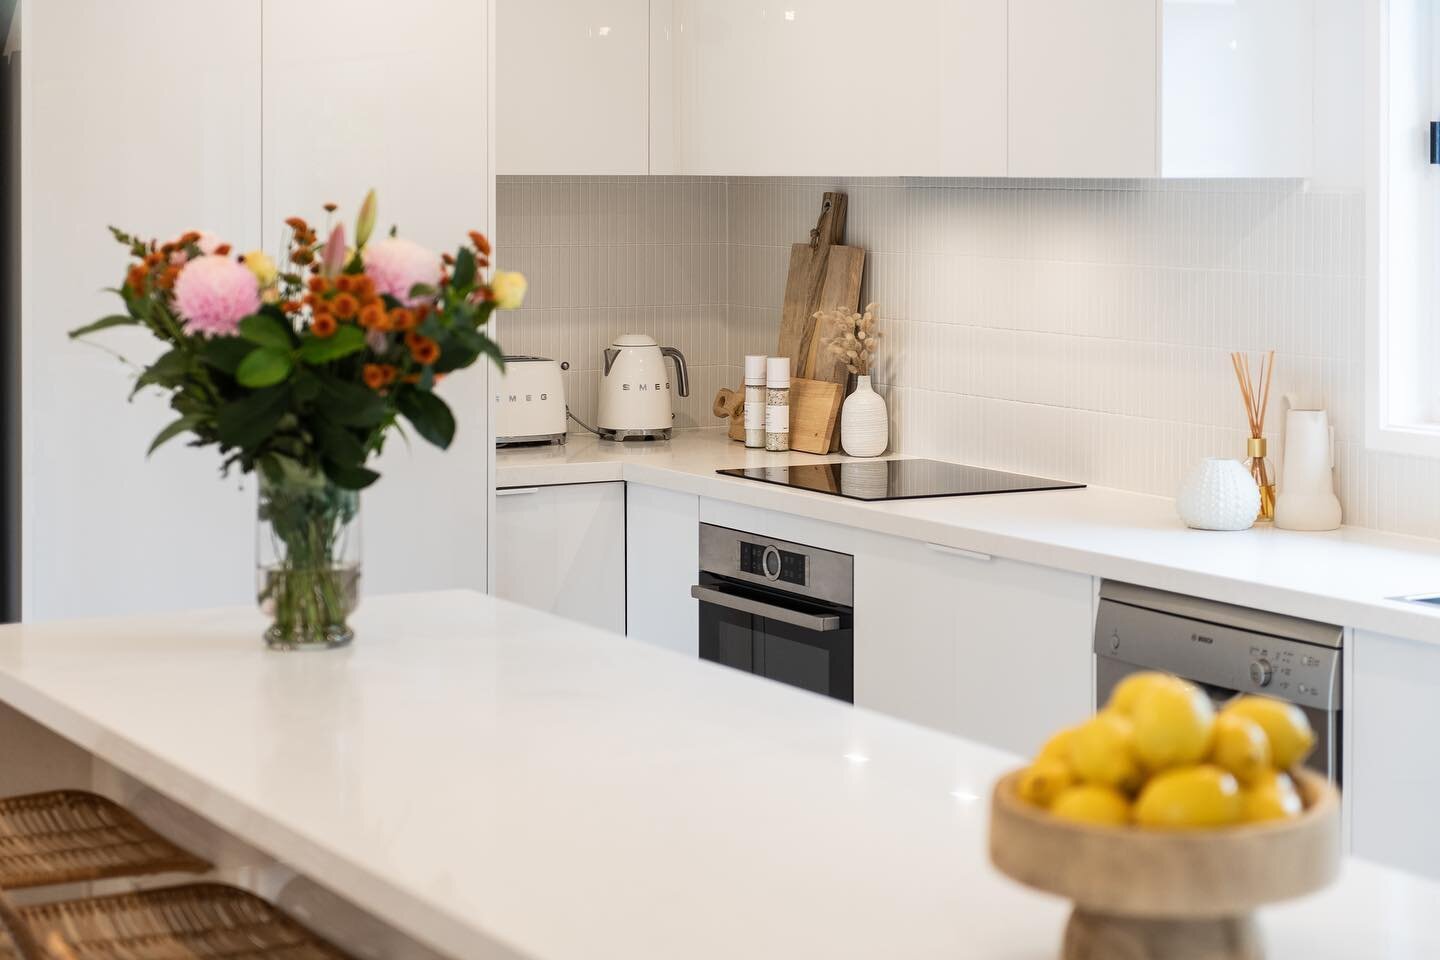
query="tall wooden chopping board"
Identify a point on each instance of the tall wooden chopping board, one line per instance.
(824, 273)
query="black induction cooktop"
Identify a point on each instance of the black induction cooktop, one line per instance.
(897, 479)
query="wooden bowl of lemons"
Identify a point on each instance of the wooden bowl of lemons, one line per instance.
(1168, 823)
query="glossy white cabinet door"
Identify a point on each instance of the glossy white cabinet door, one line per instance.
(94, 154)
(1390, 769)
(662, 561)
(572, 86)
(1084, 86)
(373, 93)
(827, 87)
(562, 549)
(989, 649)
(1237, 88)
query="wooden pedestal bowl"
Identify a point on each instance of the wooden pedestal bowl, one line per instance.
(1143, 894)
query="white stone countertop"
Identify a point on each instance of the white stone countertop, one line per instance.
(1344, 577)
(502, 783)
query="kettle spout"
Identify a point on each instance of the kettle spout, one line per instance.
(610, 354)
(682, 375)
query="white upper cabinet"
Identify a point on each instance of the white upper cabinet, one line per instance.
(829, 87)
(1145, 88)
(1237, 91)
(1083, 88)
(572, 86)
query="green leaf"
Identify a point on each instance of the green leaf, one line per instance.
(176, 428)
(337, 443)
(349, 477)
(345, 341)
(266, 331)
(248, 422)
(167, 371)
(429, 415)
(422, 290)
(349, 404)
(464, 276)
(225, 353)
(104, 323)
(264, 367)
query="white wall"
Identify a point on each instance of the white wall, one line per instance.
(161, 133)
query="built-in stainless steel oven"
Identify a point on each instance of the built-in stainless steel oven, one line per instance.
(778, 609)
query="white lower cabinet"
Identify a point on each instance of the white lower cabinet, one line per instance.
(990, 649)
(1391, 777)
(662, 557)
(562, 549)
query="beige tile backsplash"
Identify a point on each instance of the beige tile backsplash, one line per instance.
(1078, 329)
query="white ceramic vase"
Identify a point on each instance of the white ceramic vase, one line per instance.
(864, 422)
(1219, 494)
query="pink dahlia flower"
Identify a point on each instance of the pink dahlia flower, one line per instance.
(213, 293)
(396, 265)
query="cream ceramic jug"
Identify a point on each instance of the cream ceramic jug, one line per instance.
(1307, 498)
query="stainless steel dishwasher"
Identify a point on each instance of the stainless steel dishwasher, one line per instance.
(1226, 650)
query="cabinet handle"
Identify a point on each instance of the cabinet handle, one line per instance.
(515, 491)
(960, 552)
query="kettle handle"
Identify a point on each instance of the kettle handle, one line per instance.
(682, 375)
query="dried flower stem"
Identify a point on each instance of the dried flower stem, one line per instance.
(853, 340)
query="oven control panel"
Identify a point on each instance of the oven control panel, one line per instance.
(772, 563)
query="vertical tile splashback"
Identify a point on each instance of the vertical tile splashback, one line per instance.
(1073, 328)
(613, 255)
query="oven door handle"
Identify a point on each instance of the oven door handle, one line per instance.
(796, 618)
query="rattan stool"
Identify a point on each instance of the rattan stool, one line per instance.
(171, 923)
(68, 836)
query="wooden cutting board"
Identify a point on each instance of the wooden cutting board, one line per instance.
(805, 284)
(844, 269)
(814, 414)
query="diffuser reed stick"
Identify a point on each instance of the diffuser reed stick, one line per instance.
(1255, 393)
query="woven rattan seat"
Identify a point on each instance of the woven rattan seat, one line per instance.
(172, 923)
(68, 836)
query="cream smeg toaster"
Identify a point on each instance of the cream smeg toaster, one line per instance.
(530, 401)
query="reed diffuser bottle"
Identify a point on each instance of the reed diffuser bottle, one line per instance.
(1255, 393)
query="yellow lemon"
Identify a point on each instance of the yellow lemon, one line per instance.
(1043, 781)
(1091, 803)
(1241, 747)
(1127, 692)
(1058, 746)
(1272, 797)
(1203, 796)
(1102, 751)
(1173, 726)
(1285, 725)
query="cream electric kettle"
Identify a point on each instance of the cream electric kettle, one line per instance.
(635, 389)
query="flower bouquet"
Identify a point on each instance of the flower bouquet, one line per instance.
(299, 373)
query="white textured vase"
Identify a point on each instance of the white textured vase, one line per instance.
(1219, 494)
(864, 422)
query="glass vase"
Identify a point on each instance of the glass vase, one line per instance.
(307, 560)
(1259, 468)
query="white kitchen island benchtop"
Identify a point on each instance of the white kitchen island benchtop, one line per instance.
(502, 783)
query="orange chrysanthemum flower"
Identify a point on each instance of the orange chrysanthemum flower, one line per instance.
(303, 255)
(289, 306)
(223, 250)
(402, 319)
(364, 287)
(331, 207)
(448, 259)
(153, 259)
(372, 316)
(378, 375)
(297, 224)
(323, 325)
(345, 306)
(345, 283)
(481, 242)
(168, 277)
(189, 237)
(135, 278)
(425, 352)
(412, 340)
